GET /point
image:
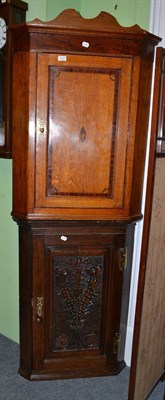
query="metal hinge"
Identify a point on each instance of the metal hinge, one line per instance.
(116, 342)
(123, 259)
(37, 305)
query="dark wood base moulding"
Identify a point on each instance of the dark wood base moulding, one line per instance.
(71, 374)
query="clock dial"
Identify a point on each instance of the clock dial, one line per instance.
(2, 32)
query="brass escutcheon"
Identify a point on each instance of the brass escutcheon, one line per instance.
(41, 126)
(82, 134)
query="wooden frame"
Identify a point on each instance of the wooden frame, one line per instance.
(147, 219)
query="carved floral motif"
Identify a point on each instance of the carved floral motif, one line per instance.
(78, 287)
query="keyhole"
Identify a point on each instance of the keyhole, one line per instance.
(82, 134)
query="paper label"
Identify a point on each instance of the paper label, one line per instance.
(64, 238)
(62, 58)
(85, 44)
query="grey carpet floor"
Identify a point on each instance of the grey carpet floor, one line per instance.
(14, 387)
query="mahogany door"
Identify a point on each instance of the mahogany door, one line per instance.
(70, 302)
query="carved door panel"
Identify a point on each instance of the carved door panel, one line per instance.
(82, 148)
(77, 294)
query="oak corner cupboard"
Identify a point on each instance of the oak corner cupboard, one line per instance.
(81, 98)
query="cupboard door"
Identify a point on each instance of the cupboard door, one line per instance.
(78, 289)
(82, 146)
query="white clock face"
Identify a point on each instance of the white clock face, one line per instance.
(2, 32)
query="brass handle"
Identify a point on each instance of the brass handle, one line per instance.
(39, 306)
(116, 342)
(123, 259)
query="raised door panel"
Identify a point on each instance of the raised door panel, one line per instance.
(83, 143)
(79, 286)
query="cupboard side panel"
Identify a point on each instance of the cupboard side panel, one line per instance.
(141, 134)
(25, 290)
(23, 125)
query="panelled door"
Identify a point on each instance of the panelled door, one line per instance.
(83, 123)
(78, 283)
